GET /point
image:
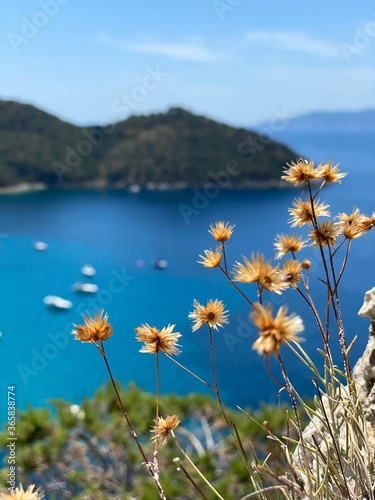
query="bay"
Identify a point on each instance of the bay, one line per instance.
(114, 229)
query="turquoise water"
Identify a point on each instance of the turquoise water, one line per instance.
(112, 230)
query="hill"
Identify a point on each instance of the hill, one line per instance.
(335, 120)
(166, 150)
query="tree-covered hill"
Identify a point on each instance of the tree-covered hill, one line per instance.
(173, 149)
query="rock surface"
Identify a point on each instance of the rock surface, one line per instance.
(317, 433)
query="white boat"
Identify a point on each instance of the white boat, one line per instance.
(55, 302)
(85, 287)
(88, 270)
(41, 246)
(161, 264)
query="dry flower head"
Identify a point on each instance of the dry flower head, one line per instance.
(155, 340)
(329, 173)
(302, 171)
(292, 272)
(94, 329)
(212, 314)
(285, 243)
(221, 231)
(211, 258)
(258, 270)
(273, 332)
(163, 428)
(303, 213)
(20, 494)
(325, 234)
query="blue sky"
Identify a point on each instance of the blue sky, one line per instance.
(239, 62)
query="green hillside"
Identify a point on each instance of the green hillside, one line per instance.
(176, 148)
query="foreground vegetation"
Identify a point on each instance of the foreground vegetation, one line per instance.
(85, 451)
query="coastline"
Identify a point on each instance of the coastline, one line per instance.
(28, 187)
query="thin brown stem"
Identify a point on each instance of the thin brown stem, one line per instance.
(217, 392)
(149, 466)
(236, 287)
(157, 375)
(224, 256)
(186, 474)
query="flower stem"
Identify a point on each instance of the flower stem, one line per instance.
(195, 467)
(126, 416)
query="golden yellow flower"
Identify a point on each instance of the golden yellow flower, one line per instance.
(292, 272)
(330, 173)
(326, 233)
(155, 341)
(21, 494)
(302, 171)
(95, 329)
(221, 231)
(273, 332)
(211, 258)
(163, 427)
(258, 270)
(212, 314)
(302, 212)
(288, 243)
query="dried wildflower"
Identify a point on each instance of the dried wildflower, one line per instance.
(355, 224)
(221, 231)
(257, 270)
(212, 314)
(292, 272)
(302, 171)
(306, 264)
(302, 212)
(326, 233)
(20, 494)
(155, 341)
(163, 427)
(211, 258)
(288, 243)
(329, 173)
(273, 332)
(95, 329)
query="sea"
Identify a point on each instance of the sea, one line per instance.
(122, 234)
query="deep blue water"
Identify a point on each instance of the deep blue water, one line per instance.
(111, 230)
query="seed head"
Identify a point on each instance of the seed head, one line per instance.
(211, 258)
(212, 314)
(163, 428)
(302, 171)
(329, 173)
(288, 243)
(325, 234)
(292, 272)
(155, 341)
(273, 332)
(20, 494)
(221, 231)
(302, 212)
(258, 270)
(94, 329)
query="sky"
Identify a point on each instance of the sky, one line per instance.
(240, 62)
